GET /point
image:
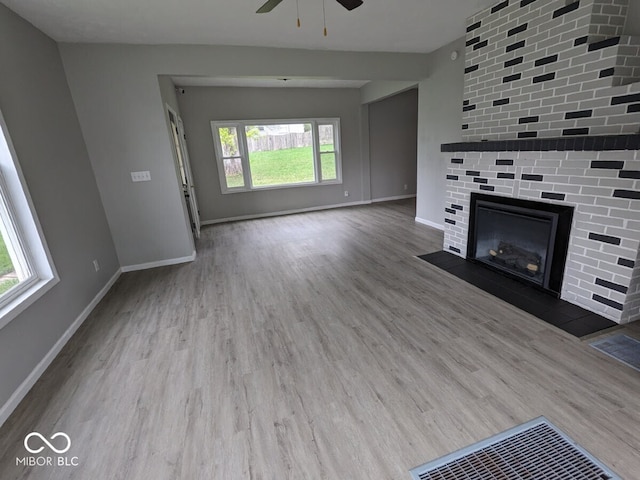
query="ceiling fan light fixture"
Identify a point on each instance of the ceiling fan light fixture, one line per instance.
(348, 4)
(324, 18)
(271, 4)
(268, 6)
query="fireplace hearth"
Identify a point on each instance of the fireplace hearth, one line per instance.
(547, 135)
(521, 238)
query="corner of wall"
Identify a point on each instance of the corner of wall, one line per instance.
(439, 120)
(379, 90)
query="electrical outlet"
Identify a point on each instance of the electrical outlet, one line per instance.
(143, 176)
(406, 186)
(96, 265)
(346, 193)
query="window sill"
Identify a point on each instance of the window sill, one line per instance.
(25, 299)
(280, 187)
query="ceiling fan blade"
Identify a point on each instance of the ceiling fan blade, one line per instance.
(267, 7)
(350, 4)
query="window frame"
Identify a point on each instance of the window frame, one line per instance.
(335, 151)
(243, 152)
(23, 233)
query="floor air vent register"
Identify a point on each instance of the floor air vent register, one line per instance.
(621, 347)
(534, 451)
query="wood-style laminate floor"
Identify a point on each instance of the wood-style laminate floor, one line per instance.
(313, 346)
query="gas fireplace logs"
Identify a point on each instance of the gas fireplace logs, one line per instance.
(516, 258)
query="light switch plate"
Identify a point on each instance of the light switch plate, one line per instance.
(144, 176)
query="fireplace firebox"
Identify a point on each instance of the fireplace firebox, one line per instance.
(521, 238)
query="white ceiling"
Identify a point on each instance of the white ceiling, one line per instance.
(379, 25)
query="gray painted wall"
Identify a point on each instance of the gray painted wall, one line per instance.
(42, 123)
(440, 120)
(123, 121)
(633, 18)
(393, 131)
(168, 93)
(200, 105)
(119, 104)
(365, 156)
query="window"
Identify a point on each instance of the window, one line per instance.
(26, 270)
(255, 155)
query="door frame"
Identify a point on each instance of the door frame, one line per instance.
(183, 169)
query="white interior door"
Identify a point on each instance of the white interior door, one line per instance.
(184, 171)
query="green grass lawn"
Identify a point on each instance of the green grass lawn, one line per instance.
(7, 284)
(6, 266)
(282, 167)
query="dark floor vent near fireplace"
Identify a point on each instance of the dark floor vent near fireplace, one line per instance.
(534, 450)
(521, 238)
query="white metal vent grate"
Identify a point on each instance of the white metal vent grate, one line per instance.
(532, 451)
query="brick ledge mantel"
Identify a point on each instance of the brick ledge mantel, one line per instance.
(597, 143)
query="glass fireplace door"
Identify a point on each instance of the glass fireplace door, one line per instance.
(514, 240)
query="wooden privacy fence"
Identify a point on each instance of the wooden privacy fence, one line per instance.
(233, 166)
(279, 142)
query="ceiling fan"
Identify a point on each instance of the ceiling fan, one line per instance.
(271, 4)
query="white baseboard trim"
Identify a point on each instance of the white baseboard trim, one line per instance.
(390, 199)
(17, 396)
(284, 212)
(430, 223)
(160, 263)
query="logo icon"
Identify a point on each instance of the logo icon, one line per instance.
(47, 443)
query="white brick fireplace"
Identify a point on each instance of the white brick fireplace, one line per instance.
(551, 114)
